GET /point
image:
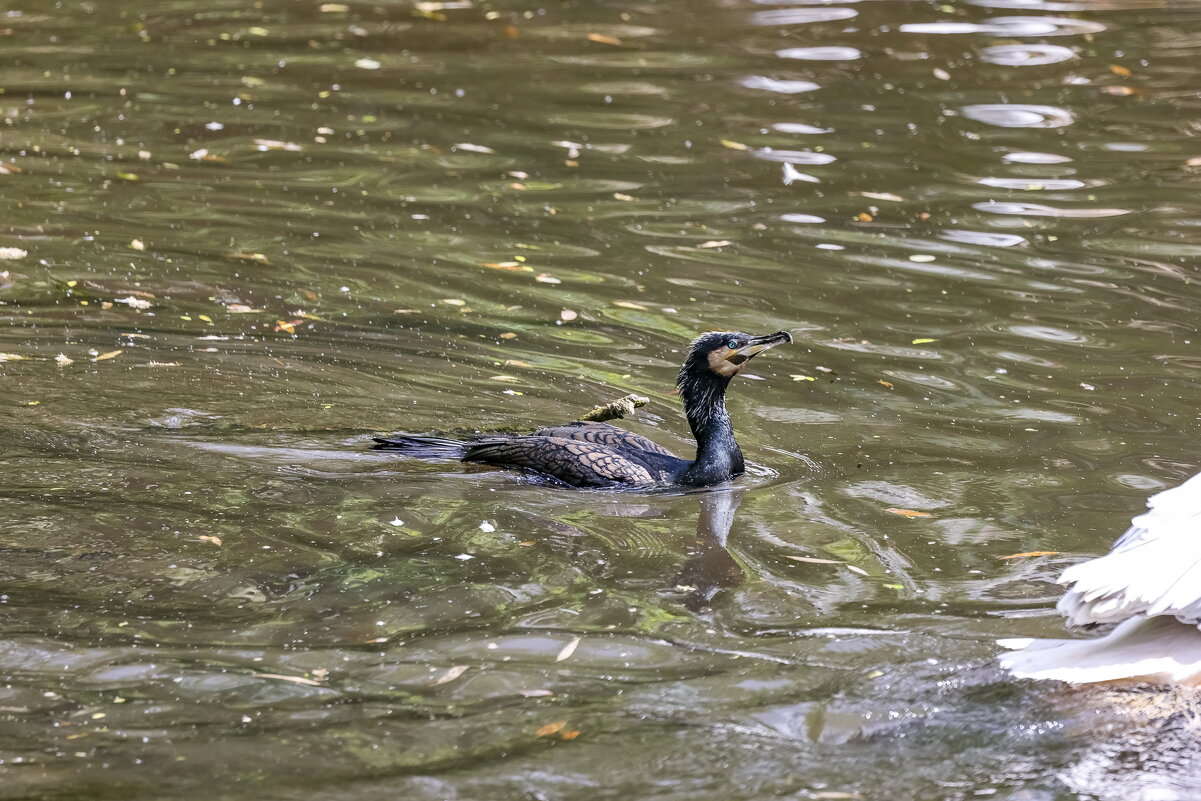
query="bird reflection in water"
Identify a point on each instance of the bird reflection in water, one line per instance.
(712, 568)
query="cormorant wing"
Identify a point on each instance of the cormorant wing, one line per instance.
(1154, 569)
(604, 434)
(575, 462)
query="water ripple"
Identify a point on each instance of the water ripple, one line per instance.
(1022, 55)
(802, 16)
(1018, 115)
(1010, 26)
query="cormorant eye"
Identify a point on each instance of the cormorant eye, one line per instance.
(732, 344)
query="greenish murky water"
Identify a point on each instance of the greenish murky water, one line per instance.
(238, 239)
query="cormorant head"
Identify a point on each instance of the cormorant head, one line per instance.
(721, 355)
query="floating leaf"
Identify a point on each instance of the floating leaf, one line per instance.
(453, 301)
(715, 243)
(626, 304)
(137, 244)
(569, 735)
(209, 538)
(800, 377)
(907, 512)
(602, 39)
(863, 217)
(883, 196)
(283, 677)
(134, 303)
(288, 326)
(472, 148)
(241, 308)
(1030, 553)
(508, 265)
(11, 357)
(733, 145)
(884, 383)
(568, 649)
(922, 341)
(112, 354)
(508, 335)
(814, 560)
(550, 728)
(1120, 71)
(367, 64)
(546, 278)
(451, 674)
(257, 257)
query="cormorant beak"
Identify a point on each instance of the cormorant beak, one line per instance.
(756, 345)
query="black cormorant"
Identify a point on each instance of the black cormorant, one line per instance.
(601, 455)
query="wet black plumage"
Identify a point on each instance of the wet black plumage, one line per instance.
(601, 455)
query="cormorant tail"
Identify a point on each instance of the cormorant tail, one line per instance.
(422, 447)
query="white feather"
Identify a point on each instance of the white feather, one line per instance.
(1149, 583)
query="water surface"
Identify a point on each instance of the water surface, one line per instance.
(239, 240)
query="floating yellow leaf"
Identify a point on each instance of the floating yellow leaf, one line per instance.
(922, 341)
(602, 39)
(112, 354)
(453, 301)
(209, 538)
(508, 265)
(884, 383)
(569, 735)
(733, 145)
(550, 728)
(256, 257)
(626, 304)
(907, 512)
(288, 326)
(1030, 553)
(800, 377)
(508, 335)
(1120, 71)
(863, 217)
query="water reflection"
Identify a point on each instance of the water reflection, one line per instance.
(711, 568)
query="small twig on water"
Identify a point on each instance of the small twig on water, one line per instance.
(615, 410)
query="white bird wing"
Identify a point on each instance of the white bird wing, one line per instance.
(1159, 649)
(1153, 569)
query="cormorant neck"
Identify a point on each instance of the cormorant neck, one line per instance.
(718, 457)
